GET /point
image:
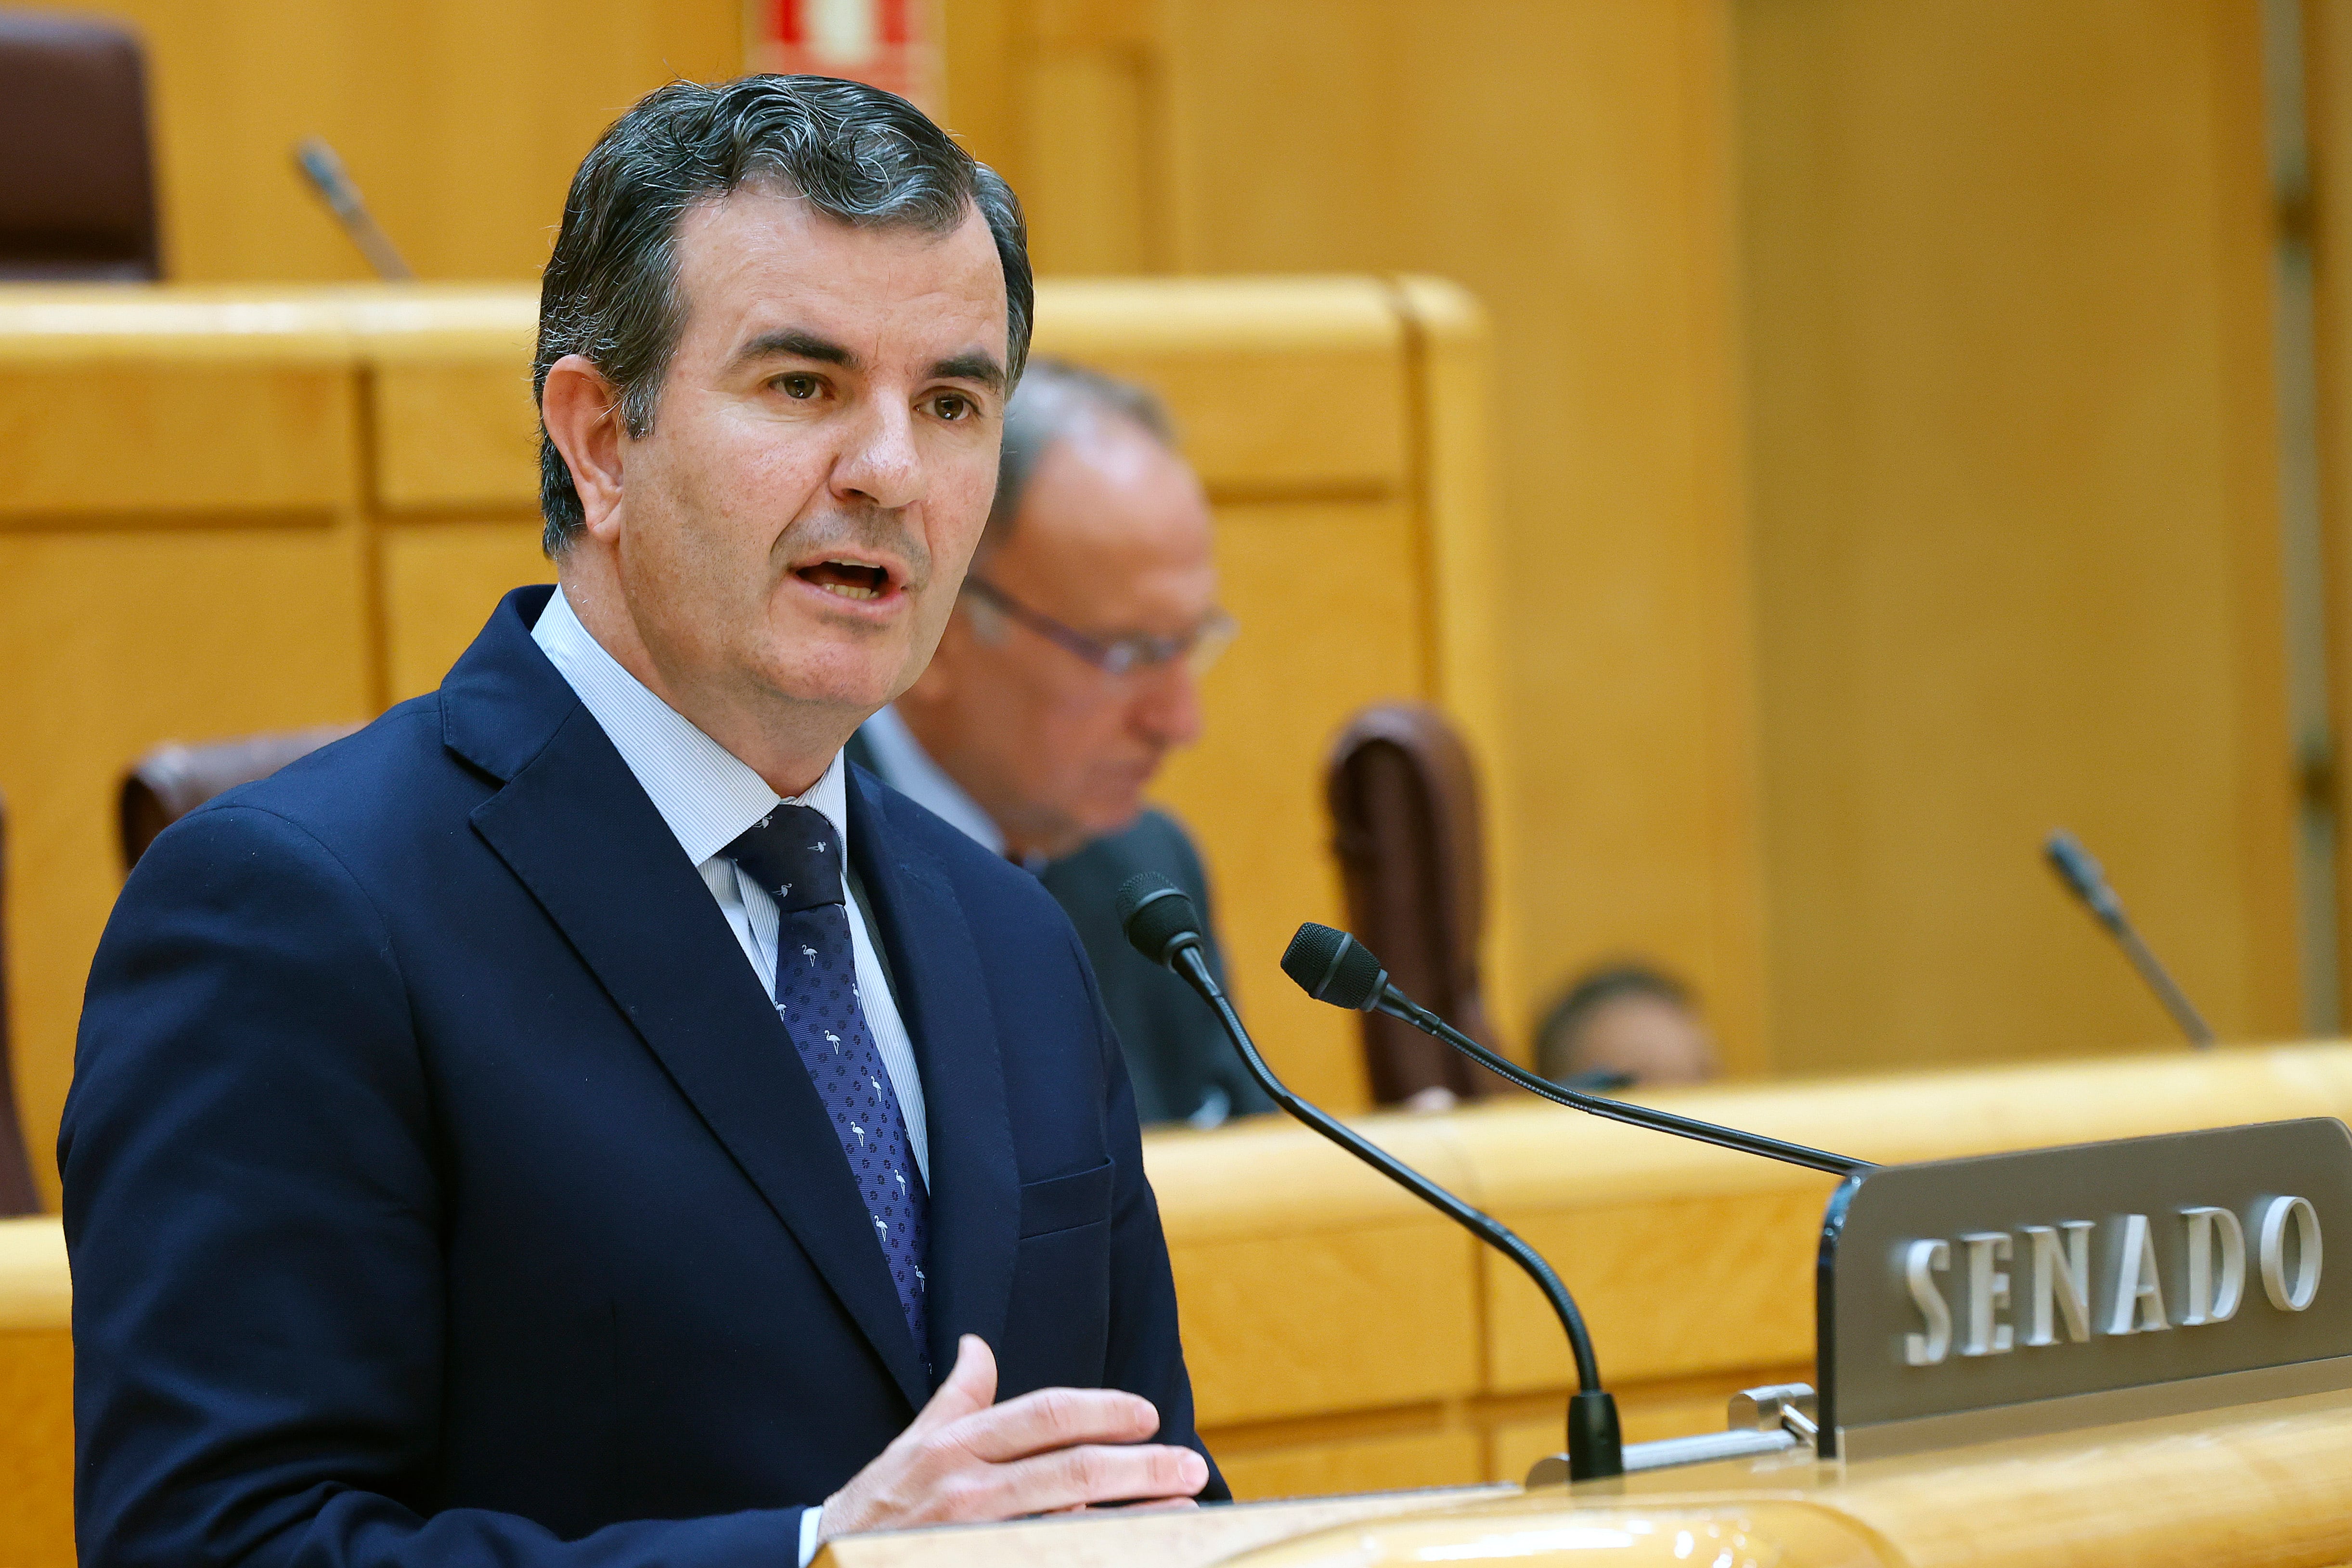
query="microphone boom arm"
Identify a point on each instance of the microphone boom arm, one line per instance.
(1587, 1369)
(1399, 1006)
(1161, 924)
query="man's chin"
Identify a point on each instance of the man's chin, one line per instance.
(850, 679)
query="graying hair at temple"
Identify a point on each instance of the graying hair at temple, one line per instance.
(1053, 399)
(854, 153)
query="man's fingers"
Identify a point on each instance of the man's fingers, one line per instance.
(1094, 1473)
(969, 1388)
(1051, 1418)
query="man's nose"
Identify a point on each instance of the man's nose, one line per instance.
(878, 462)
(1166, 707)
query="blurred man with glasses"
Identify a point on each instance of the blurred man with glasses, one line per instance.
(1063, 681)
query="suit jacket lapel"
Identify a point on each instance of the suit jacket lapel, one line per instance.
(942, 997)
(574, 826)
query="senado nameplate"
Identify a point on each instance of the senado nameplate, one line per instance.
(1966, 1299)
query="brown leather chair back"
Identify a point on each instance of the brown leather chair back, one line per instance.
(1405, 826)
(17, 1195)
(173, 780)
(77, 183)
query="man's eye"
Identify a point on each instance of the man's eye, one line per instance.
(952, 406)
(800, 388)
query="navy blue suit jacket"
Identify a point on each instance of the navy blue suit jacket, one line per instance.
(442, 1188)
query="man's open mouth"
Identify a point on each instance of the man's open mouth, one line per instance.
(849, 579)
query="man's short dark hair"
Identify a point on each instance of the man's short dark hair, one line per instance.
(854, 152)
(1051, 400)
(1562, 1030)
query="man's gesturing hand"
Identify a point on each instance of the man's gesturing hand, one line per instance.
(968, 1460)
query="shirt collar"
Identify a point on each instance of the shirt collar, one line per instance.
(906, 767)
(707, 794)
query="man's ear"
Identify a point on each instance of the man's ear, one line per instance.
(581, 410)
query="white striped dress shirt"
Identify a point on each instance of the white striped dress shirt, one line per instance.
(709, 797)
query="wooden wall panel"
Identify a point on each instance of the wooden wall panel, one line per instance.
(1331, 618)
(1570, 165)
(115, 641)
(182, 438)
(2017, 535)
(1997, 292)
(441, 581)
(1359, 1320)
(462, 436)
(36, 1447)
(2328, 125)
(1414, 1460)
(384, 438)
(461, 122)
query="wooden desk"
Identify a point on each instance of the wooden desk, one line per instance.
(1342, 1339)
(2267, 1485)
(230, 510)
(36, 1397)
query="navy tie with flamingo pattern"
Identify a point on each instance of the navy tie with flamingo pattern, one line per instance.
(794, 856)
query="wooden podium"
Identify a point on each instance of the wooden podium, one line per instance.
(2262, 1484)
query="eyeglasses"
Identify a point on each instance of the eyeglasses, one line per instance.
(1198, 648)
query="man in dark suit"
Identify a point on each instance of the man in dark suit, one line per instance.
(1063, 682)
(578, 1120)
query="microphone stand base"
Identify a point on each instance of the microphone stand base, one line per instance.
(1596, 1451)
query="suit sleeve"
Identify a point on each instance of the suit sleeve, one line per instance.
(1146, 1351)
(252, 1205)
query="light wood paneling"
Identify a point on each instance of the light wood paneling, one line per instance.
(1331, 619)
(461, 122)
(1346, 1295)
(2327, 126)
(1656, 1280)
(2006, 338)
(1193, 1538)
(1296, 386)
(385, 435)
(1569, 164)
(36, 1447)
(459, 436)
(115, 641)
(1667, 1243)
(441, 581)
(1373, 1316)
(208, 438)
(1342, 1338)
(2017, 539)
(1365, 1464)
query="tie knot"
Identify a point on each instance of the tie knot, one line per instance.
(794, 856)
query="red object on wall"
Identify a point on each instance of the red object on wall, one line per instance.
(882, 42)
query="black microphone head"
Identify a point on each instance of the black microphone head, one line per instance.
(2082, 876)
(1333, 967)
(1159, 920)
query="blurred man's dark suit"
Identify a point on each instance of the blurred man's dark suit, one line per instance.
(1182, 1067)
(443, 1189)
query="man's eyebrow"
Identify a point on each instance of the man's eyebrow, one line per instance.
(793, 343)
(971, 366)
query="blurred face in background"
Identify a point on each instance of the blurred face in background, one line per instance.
(1651, 1039)
(1112, 540)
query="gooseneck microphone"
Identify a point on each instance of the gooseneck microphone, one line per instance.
(1333, 967)
(1163, 926)
(2087, 881)
(323, 171)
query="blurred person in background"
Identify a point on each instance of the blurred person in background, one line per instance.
(1630, 1022)
(1060, 687)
